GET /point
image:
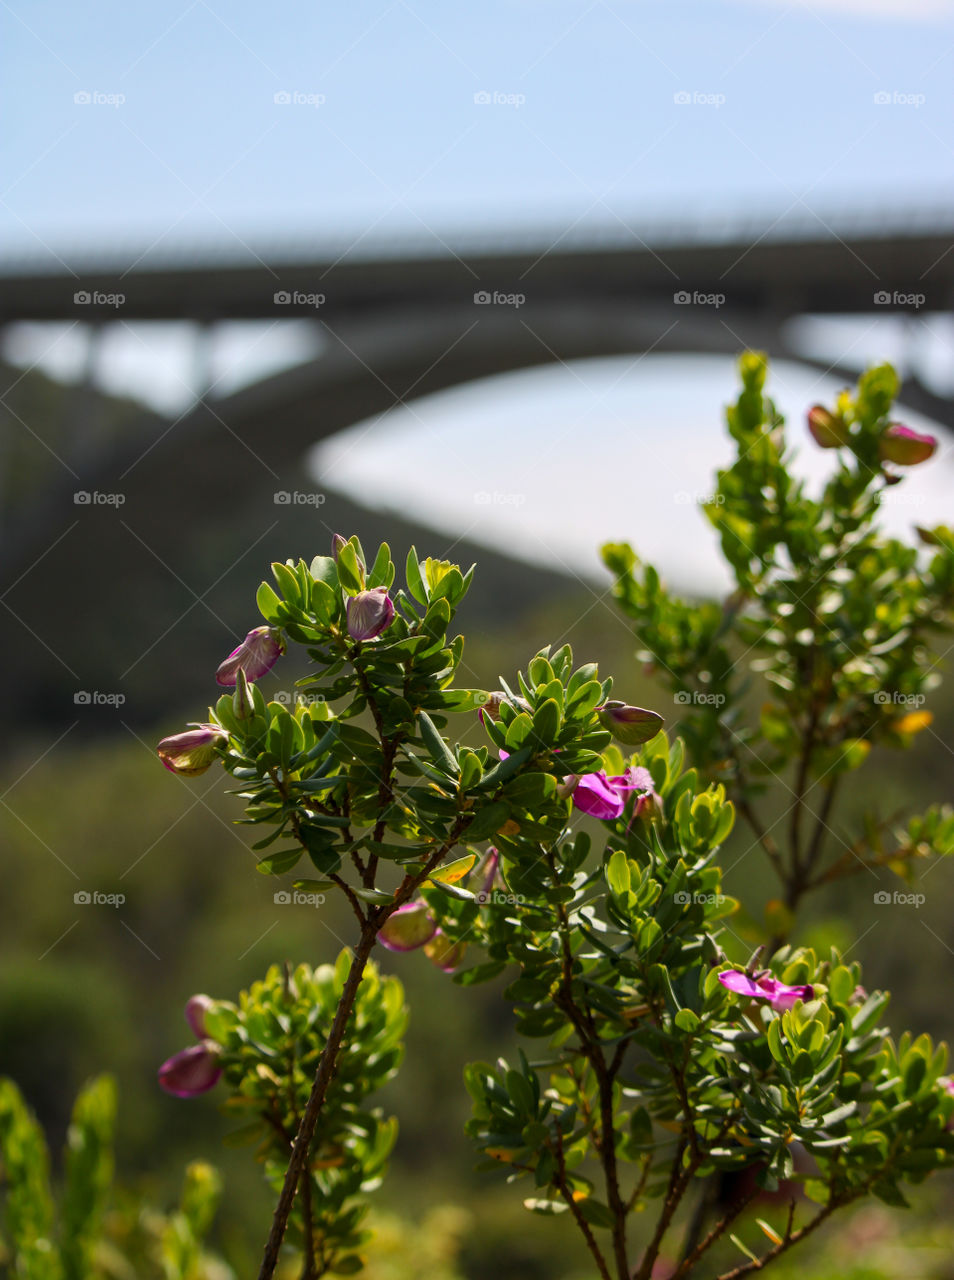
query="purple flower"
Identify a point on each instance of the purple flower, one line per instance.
(447, 955)
(256, 656)
(191, 1071)
(596, 795)
(192, 752)
(829, 431)
(337, 542)
(605, 797)
(407, 928)
(196, 1009)
(904, 447)
(369, 613)
(630, 725)
(762, 986)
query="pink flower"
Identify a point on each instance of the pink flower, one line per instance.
(407, 928)
(190, 753)
(605, 797)
(196, 1009)
(828, 430)
(762, 986)
(256, 656)
(369, 613)
(904, 447)
(191, 1071)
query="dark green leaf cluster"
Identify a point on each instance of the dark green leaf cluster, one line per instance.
(271, 1042)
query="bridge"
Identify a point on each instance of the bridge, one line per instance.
(403, 319)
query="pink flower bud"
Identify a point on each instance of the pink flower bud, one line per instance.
(447, 955)
(192, 1071)
(408, 928)
(630, 725)
(369, 613)
(256, 656)
(337, 542)
(196, 1009)
(192, 752)
(904, 447)
(829, 430)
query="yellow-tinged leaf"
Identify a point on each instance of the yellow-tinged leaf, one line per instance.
(772, 1234)
(509, 828)
(499, 1153)
(434, 570)
(454, 871)
(913, 722)
(580, 1195)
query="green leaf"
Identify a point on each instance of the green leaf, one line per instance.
(267, 602)
(596, 1213)
(437, 748)
(488, 821)
(505, 769)
(415, 581)
(288, 583)
(546, 721)
(617, 873)
(276, 864)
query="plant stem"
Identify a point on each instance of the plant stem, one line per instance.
(329, 1055)
(309, 1120)
(567, 1193)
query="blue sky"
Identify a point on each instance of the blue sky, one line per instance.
(199, 148)
(605, 114)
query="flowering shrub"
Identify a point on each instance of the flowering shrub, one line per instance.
(663, 1062)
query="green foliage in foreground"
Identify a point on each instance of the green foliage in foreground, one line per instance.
(73, 1232)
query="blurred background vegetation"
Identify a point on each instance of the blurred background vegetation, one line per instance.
(86, 988)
